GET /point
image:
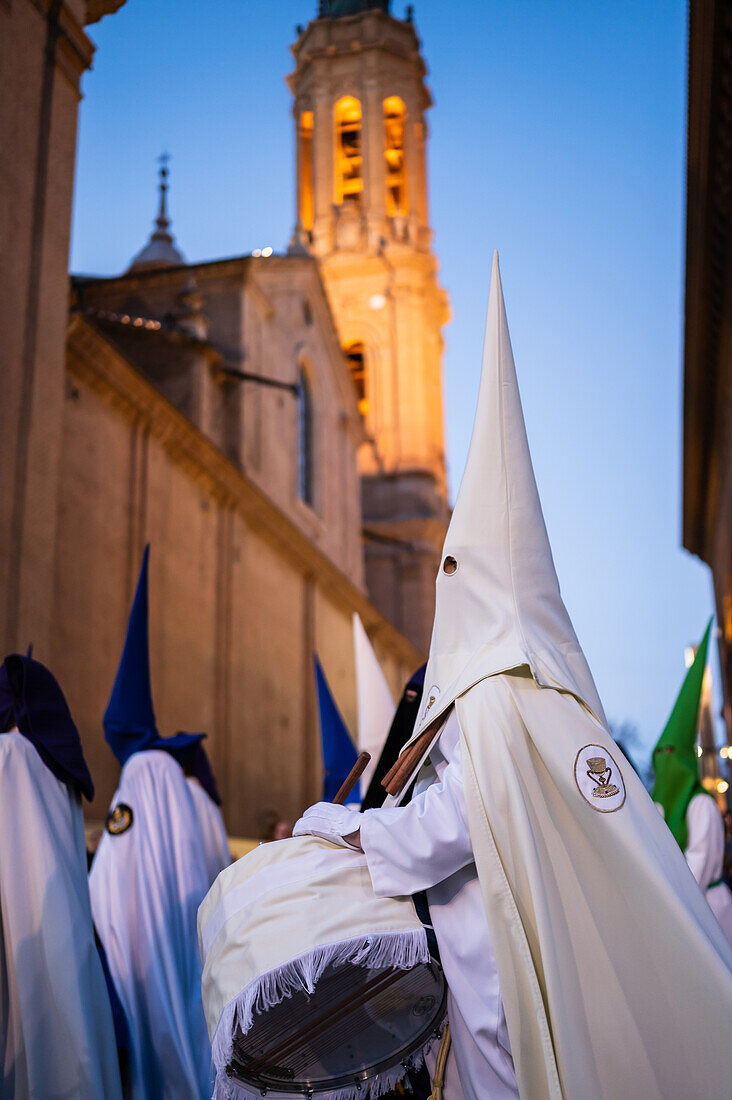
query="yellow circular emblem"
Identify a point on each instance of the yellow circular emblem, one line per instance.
(119, 819)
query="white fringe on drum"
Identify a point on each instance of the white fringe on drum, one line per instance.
(400, 950)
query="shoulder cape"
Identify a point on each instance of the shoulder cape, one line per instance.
(602, 937)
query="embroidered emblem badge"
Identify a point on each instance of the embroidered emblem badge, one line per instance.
(599, 779)
(119, 819)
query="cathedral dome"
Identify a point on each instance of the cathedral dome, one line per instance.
(160, 251)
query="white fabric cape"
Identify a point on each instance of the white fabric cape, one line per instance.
(615, 976)
(375, 702)
(146, 885)
(56, 1031)
(212, 829)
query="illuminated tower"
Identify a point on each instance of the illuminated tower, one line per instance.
(359, 106)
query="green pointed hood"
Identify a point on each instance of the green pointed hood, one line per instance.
(675, 762)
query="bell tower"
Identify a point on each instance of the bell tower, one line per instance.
(360, 101)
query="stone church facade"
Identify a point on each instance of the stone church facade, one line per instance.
(210, 410)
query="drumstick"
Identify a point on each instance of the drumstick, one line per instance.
(407, 761)
(352, 778)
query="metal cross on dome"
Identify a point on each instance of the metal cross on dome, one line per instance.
(163, 221)
(164, 160)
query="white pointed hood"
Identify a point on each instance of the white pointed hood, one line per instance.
(375, 702)
(501, 607)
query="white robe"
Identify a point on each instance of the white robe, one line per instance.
(212, 830)
(426, 846)
(705, 856)
(599, 929)
(146, 885)
(56, 1031)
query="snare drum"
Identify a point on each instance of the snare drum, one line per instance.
(313, 986)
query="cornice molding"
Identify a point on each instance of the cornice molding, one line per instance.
(97, 9)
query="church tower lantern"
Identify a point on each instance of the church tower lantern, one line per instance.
(360, 101)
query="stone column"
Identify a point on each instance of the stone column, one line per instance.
(323, 170)
(374, 173)
(414, 165)
(44, 52)
(297, 109)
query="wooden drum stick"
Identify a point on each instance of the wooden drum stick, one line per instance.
(352, 778)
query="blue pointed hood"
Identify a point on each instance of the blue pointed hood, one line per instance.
(198, 765)
(129, 720)
(339, 752)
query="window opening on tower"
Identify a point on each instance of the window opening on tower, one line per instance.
(349, 178)
(305, 137)
(396, 175)
(357, 365)
(304, 438)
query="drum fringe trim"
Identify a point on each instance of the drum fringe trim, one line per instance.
(385, 1082)
(401, 949)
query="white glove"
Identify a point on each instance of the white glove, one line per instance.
(334, 823)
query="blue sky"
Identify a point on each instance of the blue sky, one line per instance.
(558, 137)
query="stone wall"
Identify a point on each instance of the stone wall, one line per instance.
(268, 317)
(240, 596)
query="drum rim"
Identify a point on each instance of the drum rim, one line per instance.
(357, 1080)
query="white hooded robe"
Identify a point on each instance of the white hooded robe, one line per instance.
(212, 829)
(56, 1030)
(146, 885)
(601, 937)
(705, 856)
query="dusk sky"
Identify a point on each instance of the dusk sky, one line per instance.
(558, 137)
